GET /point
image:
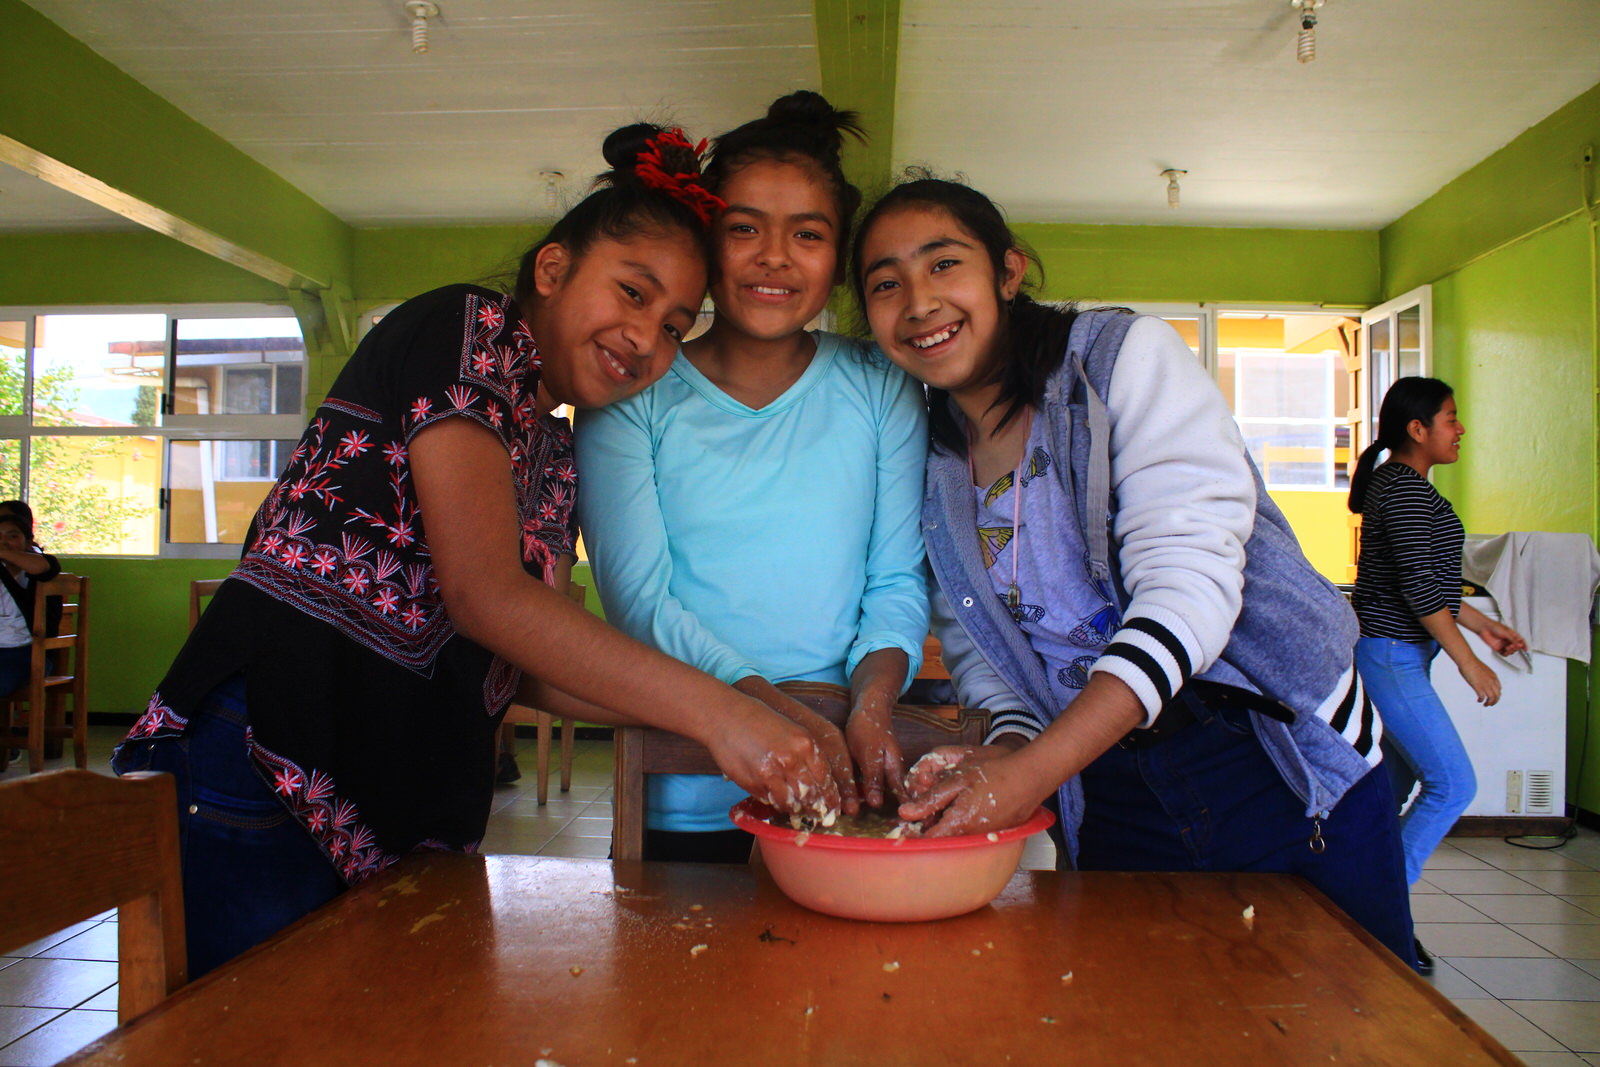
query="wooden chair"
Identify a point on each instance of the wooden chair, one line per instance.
(59, 671)
(77, 843)
(199, 589)
(933, 667)
(544, 724)
(644, 750)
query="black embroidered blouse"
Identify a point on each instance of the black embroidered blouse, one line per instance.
(370, 718)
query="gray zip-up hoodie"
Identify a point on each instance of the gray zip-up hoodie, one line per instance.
(1204, 568)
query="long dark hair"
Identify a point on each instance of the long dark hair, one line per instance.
(623, 204)
(804, 129)
(1407, 399)
(1033, 337)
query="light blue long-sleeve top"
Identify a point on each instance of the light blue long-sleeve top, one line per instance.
(783, 541)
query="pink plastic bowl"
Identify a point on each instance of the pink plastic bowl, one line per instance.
(906, 880)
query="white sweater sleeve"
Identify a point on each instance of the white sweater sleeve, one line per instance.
(976, 683)
(1185, 501)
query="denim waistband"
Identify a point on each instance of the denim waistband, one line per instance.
(226, 702)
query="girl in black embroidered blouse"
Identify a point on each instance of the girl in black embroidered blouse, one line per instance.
(337, 704)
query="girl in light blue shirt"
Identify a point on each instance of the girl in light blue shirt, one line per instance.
(761, 519)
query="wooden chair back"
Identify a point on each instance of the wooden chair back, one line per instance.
(932, 660)
(77, 843)
(59, 671)
(644, 750)
(199, 589)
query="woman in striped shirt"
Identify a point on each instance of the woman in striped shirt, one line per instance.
(1408, 600)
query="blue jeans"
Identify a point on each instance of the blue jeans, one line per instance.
(1208, 798)
(1417, 727)
(15, 666)
(249, 869)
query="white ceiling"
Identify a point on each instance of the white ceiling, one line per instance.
(1063, 110)
(1068, 110)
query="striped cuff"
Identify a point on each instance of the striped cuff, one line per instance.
(1351, 714)
(1154, 654)
(1012, 721)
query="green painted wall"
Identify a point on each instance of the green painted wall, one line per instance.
(1535, 180)
(64, 100)
(1515, 326)
(858, 59)
(120, 268)
(1197, 263)
(138, 617)
(395, 264)
(1510, 250)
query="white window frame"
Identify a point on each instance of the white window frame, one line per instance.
(1379, 378)
(169, 427)
(1207, 314)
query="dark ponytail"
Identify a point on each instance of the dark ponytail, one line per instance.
(1033, 336)
(654, 186)
(801, 128)
(1408, 399)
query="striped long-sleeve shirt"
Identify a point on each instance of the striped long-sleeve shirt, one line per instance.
(1410, 563)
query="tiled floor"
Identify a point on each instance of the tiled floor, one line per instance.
(1516, 932)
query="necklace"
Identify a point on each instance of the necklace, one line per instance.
(1013, 597)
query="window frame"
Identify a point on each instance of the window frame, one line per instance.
(169, 427)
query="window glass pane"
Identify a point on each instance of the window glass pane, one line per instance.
(1289, 386)
(1284, 374)
(13, 341)
(215, 487)
(1188, 327)
(95, 494)
(1290, 453)
(1380, 367)
(239, 367)
(1408, 324)
(98, 370)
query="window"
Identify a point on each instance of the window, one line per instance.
(149, 431)
(1291, 377)
(1398, 342)
(1284, 375)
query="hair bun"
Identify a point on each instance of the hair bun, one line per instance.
(622, 147)
(823, 124)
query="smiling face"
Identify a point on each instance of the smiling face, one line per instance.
(777, 247)
(933, 297)
(608, 323)
(1440, 440)
(12, 539)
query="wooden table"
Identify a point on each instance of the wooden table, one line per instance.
(451, 959)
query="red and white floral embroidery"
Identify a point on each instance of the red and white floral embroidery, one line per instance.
(347, 545)
(158, 720)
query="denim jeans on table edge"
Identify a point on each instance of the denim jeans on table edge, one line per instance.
(249, 868)
(1417, 726)
(1209, 798)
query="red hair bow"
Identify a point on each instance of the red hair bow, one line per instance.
(684, 185)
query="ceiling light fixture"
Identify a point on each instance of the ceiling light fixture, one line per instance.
(1305, 48)
(1172, 174)
(420, 11)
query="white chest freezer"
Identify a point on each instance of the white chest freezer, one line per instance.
(1519, 746)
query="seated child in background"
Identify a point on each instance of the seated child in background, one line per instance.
(23, 568)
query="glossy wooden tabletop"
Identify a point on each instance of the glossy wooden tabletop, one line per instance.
(510, 959)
